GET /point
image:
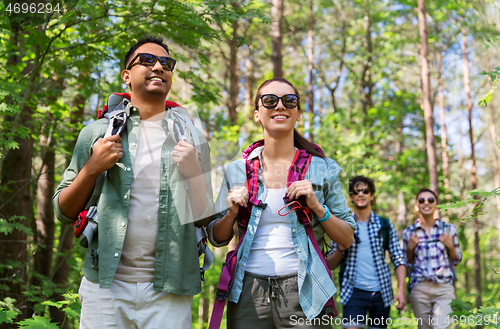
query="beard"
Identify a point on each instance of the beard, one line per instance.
(357, 205)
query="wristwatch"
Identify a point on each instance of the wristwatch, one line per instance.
(327, 214)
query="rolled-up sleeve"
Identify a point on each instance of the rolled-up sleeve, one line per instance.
(334, 197)
(395, 251)
(206, 166)
(81, 154)
(454, 232)
(234, 175)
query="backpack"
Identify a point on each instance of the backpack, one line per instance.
(180, 127)
(385, 231)
(297, 171)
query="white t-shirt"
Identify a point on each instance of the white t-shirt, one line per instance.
(272, 251)
(138, 255)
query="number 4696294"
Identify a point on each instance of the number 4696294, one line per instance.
(32, 8)
(472, 320)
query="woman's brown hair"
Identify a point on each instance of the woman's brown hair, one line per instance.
(298, 140)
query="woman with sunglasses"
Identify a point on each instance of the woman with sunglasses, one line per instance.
(280, 281)
(432, 250)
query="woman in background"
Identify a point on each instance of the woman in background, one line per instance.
(432, 250)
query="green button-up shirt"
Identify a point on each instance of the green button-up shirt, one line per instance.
(177, 267)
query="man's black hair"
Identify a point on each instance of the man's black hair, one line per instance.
(428, 190)
(353, 183)
(148, 39)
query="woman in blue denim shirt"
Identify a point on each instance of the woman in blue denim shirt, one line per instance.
(279, 280)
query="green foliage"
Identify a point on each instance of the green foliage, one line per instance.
(37, 322)
(13, 223)
(477, 199)
(8, 311)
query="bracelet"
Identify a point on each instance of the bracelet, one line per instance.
(327, 214)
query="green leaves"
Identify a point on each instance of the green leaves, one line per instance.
(37, 322)
(476, 200)
(13, 223)
(8, 311)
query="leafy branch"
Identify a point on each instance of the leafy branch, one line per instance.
(477, 199)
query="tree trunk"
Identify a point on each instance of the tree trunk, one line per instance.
(430, 142)
(249, 82)
(203, 310)
(16, 200)
(366, 78)
(444, 135)
(277, 37)
(493, 135)
(233, 74)
(60, 270)
(473, 177)
(45, 225)
(15, 191)
(310, 68)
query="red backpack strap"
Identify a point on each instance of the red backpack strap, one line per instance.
(229, 266)
(297, 172)
(252, 184)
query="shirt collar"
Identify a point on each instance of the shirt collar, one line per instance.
(257, 152)
(370, 220)
(438, 223)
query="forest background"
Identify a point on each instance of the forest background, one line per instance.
(400, 91)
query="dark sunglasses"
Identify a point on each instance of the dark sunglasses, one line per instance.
(364, 191)
(146, 59)
(422, 200)
(270, 101)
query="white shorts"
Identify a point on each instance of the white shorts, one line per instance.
(132, 305)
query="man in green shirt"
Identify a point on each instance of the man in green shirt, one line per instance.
(148, 268)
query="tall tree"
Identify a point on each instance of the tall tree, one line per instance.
(233, 72)
(366, 75)
(444, 135)
(473, 170)
(277, 37)
(430, 141)
(15, 179)
(496, 170)
(310, 68)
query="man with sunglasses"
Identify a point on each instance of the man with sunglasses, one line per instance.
(432, 249)
(365, 276)
(148, 268)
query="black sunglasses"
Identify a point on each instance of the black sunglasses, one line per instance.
(146, 59)
(422, 200)
(364, 191)
(270, 101)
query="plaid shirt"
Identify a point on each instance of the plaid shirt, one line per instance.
(431, 259)
(381, 268)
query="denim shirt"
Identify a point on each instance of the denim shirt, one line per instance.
(314, 282)
(176, 268)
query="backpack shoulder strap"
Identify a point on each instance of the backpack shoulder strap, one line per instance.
(252, 184)
(297, 172)
(385, 230)
(226, 277)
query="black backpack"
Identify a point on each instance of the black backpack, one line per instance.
(385, 231)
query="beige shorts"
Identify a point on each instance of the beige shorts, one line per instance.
(431, 304)
(132, 305)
